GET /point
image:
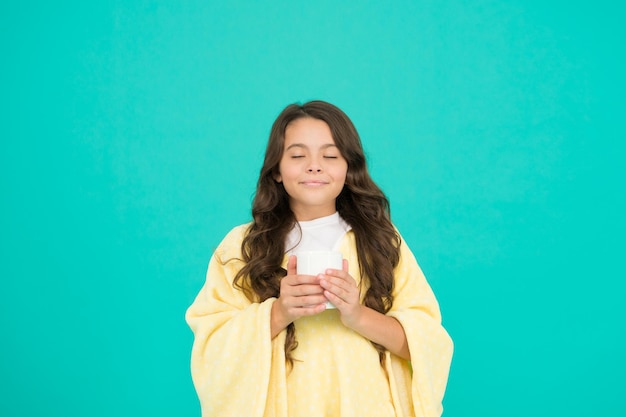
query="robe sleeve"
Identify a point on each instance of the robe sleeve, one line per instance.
(418, 386)
(231, 359)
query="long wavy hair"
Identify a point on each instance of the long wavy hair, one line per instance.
(361, 203)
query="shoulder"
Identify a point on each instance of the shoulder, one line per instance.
(237, 232)
(405, 252)
(231, 243)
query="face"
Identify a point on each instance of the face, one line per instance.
(312, 169)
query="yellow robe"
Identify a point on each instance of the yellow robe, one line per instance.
(239, 371)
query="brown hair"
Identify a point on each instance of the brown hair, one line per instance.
(361, 203)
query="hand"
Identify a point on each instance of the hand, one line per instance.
(341, 290)
(300, 295)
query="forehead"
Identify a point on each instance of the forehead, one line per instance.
(307, 130)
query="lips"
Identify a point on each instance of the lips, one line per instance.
(314, 183)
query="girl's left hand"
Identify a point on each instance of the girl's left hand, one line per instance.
(341, 290)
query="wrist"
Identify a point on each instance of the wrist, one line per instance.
(356, 319)
(278, 321)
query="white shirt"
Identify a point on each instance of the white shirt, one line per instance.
(324, 233)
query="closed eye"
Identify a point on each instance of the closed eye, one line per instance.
(330, 157)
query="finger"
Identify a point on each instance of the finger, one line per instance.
(344, 288)
(339, 273)
(305, 280)
(304, 290)
(339, 278)
(334, 299)
(308, 301)
(308, 311)
(292, 265)
(338, 291)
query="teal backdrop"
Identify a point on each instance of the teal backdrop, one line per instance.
(132, 134)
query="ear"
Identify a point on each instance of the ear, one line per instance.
(278, 178)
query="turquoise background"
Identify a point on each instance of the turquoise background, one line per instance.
(132, 133)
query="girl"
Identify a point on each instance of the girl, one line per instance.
(265, 342)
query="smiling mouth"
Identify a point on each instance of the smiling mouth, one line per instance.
(313, 183)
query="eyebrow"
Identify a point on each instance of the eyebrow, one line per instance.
(302, 145)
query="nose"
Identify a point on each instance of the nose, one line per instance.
(314, 167)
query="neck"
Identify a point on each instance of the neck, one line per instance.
(312, 213)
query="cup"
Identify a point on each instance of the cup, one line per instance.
(317, 262)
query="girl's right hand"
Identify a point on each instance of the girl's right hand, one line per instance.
(300, 295)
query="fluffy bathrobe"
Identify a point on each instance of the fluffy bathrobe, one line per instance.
(238, 370)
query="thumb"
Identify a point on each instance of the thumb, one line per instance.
(292, 265)
(345, 265)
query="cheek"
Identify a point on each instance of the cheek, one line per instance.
(343, 173)
(347, 178)
(286, 171)
(276, 174)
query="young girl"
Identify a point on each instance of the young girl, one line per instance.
(265, 342)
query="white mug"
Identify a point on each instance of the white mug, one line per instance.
(317, 262)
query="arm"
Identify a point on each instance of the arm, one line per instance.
(233, 357)
(342, 291)
(417, 309)
(381, 329)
